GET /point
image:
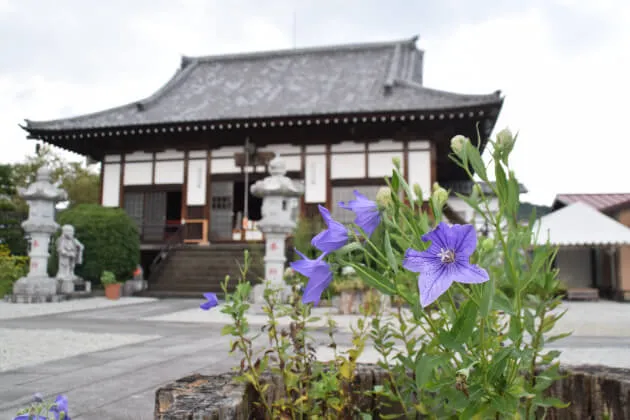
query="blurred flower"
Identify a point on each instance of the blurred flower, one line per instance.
(318, 273)
(505, 138)
(334, 237)
(445, 261)
(347, 271)
(211, 301)
(38, 397)
(440, 195)
(60, 408)
(459, 142)
(366, 211)
(384, 196)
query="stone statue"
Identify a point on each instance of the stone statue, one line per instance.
(70, 253)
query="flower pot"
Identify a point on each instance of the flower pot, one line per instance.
(112, 291)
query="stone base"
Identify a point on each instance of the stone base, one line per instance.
(35, 286)
(34, 298)
(257, 295)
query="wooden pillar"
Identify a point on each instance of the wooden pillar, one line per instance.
(405, 162)
(303, 175)
(121, 187)
(184, 204)
(433, 151)
(207, 209)
(328, 184)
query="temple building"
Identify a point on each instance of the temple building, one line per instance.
(186, 155)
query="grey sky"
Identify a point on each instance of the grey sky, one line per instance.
(562, 64)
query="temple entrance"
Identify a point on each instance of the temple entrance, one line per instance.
(254, 205)
(157, 212)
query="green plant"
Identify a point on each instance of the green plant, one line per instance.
(11, 269)
(11, 232)
(469, 343)
(107, 277)
(110, 238)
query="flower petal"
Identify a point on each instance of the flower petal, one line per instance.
(470, 273)
(368, 221)
(318, 282)
(440, 236)
(334, 237)
(420, 261)
(465, 240)
(433, 286)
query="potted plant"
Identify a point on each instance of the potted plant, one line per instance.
(112, 286)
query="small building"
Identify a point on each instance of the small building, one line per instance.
(592, 233)
(184, 158)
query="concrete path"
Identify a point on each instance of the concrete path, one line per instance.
(119, 382)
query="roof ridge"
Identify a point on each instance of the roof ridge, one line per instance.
(416, 85)
(358, 46)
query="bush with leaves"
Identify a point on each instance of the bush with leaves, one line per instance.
(469, 342)
(110, 237)
(12, 267)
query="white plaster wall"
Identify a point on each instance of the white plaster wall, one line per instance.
(196, 191)
(470, 216)
(574, 267)
(112, 158)
(315, 179)
(224, 166)
(198, 154)
(169, 154)
(227, 151)
(169, 172)
(420, 170)
(138, 156)
(347, 165)
(282, 149)
(385, 145)
(138, 173)
(316, 148)
(380, 163)
(111, 185)
(347, 146)
(418, 145)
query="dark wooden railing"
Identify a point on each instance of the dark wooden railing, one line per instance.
(174, 240)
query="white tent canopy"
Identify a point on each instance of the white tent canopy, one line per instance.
(579, 224)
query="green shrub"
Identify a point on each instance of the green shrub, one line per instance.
(110, 238)
(11, 232)
(108, 278)
(11, 269)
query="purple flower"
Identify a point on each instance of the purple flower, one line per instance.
(211, 301)
(445, 261)
(367, 214)
(32, 417)
(332, 238)
(318, 273)
(60, 406)
(38, 397)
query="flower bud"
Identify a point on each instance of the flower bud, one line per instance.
(505, 139)
(396, 162)
(476, 191)
(440, 195)
(458, 143)
(384, 196)
(487, 244)
(417, 191)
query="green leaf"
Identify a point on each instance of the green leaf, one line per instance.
(425, 364)
(551, 402)
(502, 303)
(558, 337)
(465, 321)
(374, 279)
(487, 293)
(393, 262)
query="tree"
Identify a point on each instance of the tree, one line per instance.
(7, 183)
(81, 183)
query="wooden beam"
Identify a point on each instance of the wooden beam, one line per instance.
(328, 171)
(100, 194)
(121, 191)
(207, 210)
(184, 204)
(303, 176)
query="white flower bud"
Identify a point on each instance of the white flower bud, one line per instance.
(505, 139)
(384, 196)
(459, 142)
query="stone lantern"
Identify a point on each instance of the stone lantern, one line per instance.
(280, 196)
(41, 197)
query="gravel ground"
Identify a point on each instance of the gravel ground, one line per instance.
(19, 348)
(23, 310)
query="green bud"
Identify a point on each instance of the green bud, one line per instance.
(417, 191)
(476, 191)
(487, 244)
(384, 196)
(505, 138)
(440, 195)
(458, 143)
(396, 161)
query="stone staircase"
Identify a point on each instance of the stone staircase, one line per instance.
(189, 271)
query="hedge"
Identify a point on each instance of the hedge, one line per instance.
(11, 269)
(110, 237)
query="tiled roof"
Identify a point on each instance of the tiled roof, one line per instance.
(601, 202)
(342, 79)
(465, 187)
(579, 224)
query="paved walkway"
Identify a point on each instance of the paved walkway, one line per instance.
(138, 346)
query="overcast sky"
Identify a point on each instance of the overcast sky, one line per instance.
(563, 65)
